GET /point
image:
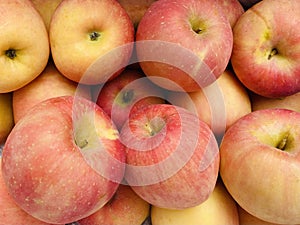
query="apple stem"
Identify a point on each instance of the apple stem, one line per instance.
(273, 52)
(282, 144)
(11, 53)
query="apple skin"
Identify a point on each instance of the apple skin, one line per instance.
(50, 146)
(190, 43)
(246, 218)
(234, 96)
(289, 102)
(10, 213)
(232, 10)
(125, 208)
(6, 116)
(103, 33)
(128, 92)
(170, 149)
(265, 54)
(46, 8)
(49, 84)
(260, 162)
(136, 9)
(218, 207)
(23, 40)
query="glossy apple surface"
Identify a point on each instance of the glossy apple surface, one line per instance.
(232, 10)
(88, 36)
(169, 149)
(186, 42)
(266, 47)
(125, 208)
(260, 164)
(23, 42)
(63, 160)
(218, 209)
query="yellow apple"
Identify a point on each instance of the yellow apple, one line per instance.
(46, 8)
(218, 209)
(6, 116)
(24, 44)
(50, 83)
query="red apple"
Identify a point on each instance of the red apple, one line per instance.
(289, 102)
(186, 42)
(87, 37)
(266, 48)
(136, 9)
(24, 44)
(63, 160)
(260, 164)
(233, 96)
(49, 84)
(126, 93)
(218, 209)
(10, 212)
(125, 208)
(172, 156)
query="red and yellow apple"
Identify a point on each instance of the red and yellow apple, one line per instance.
(91, 40)
(172, 157)
(24, 44)
(266, 48)
(63, 160)
(260, 164)
(186, 42)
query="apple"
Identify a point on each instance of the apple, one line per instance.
(128, 92)
(232, 9)
(46, 8)
(63, 160)
(50, 83)
(6, 116)
(87, 37)
(289, 102)
(125, 207)
(218, 207)
(266, 47)
(24, 44)
(186, 42)
(136, 9)
(172, 157)
(246, 218)
(260, 164)
(233, 95)
(10, 212)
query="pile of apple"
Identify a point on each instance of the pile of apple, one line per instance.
(149, 112)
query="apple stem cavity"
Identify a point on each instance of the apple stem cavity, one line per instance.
(94, 36)
(11, 53)
(273, 52)
(283, 143)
